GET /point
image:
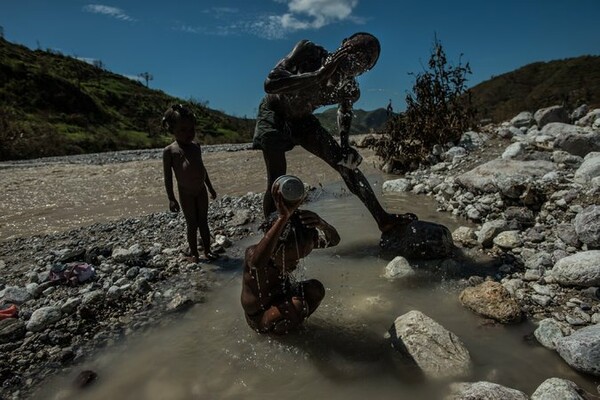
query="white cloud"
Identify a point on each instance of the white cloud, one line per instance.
(109, 11)
(299, 15)
(315, 14)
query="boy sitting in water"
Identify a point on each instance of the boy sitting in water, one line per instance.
(271, 301)
(184, 157)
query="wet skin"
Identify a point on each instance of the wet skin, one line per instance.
(184, 158)
(310, 77)
(270, 302)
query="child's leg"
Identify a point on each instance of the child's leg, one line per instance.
(190, 212)
(290, 313)
(202, 222)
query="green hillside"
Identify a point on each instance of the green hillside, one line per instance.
(362, 122)
(572, 82)
(51, 104)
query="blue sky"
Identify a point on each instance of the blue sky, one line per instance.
(221, 51)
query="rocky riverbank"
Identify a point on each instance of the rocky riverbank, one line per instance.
(141, 279)
(531, 185)
(536, 204)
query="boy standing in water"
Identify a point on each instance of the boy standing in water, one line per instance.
(184, 157)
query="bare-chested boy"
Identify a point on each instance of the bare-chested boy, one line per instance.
(272, 301)
(184, 157)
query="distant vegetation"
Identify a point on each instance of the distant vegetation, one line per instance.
(438, 111)
(570, 82)
(52, 104)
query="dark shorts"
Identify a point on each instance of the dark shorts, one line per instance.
(274, 132)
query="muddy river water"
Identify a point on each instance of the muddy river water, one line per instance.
(341, 353)
(211, 353)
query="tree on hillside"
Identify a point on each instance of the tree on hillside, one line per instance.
(146, 76)
(1, 32)
(438, 111)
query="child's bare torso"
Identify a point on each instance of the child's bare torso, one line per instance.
(188, 166)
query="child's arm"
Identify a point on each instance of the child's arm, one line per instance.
(282, 79)
(262, 253)
(328, 236)
(211, 190)
(168, 175)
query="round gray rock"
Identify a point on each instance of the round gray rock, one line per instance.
(579, 269)
(581, 350)
(42, 318)
(587, 226)
(556, 388)
(483, 391)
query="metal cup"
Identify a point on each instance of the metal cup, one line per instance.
(291, 188)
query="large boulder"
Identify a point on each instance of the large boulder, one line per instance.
(523, 119)
(587, 226)
(581, 350)
(483, 391)
(556, 388)
(589, 118)
(419, 240)
(491, 300)
(579, 269)
(555, 129)
(503, 175)
(14, 295)
(579, 144)
(439, 353)
(589, 169)
(550, 114)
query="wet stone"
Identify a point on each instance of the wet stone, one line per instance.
(548, 332)
(418, 240)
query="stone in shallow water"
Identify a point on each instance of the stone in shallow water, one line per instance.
(420, 240)
(483, 390)
(491, 300)
(581, 350)
(438, 352)
(556, 388)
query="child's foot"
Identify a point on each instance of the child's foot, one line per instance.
(398, 219)
(192, 259)
(210, 256)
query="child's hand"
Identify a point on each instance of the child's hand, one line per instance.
(213, 194)
(310, 219)
(283, 208)
(174, 206)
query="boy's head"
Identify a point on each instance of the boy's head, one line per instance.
(295, 242)
(362, 52)
(180, 121)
